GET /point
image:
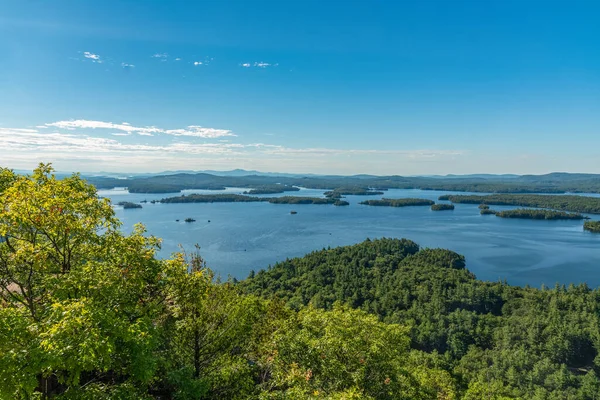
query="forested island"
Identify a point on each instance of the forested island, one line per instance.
(526, 213)
(442, 207)
(574, 203)
(213, 198)
(398, 202)
(592, 226)
(127, 205)
(272, 189)
(354, 191)
(238, 198)
(90, 312)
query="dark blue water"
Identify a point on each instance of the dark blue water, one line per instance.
(250, 236)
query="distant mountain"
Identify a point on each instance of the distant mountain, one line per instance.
(473, 176)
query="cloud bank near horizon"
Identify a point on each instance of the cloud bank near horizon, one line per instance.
(94, 145)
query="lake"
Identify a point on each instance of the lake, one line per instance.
(241, 237)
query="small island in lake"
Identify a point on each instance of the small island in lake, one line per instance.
(272, 189)
(442, 207)
(341, 203)
(398, 202)
(527, 213)
(127, 205)
(293, 212)
(189, 220)
(484, 207)
(487, 211)
(592, 226)
(353, 191)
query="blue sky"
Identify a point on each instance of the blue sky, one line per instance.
(375, 86)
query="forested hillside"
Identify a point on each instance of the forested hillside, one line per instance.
(88, 312)
(493, 338)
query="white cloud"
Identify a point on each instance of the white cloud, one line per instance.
(95, 58)
(259, 64)
(178, 59)
(91, 56)
(198, 131)
(125, 65)
(197, 63)
(160, 55)
(86, 124)
(192, 130)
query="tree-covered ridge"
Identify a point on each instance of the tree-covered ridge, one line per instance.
(592, 226)
(574, 203)
(442, 207)
(550, 183)
(526, 213)
(398, 202)
(498, 341)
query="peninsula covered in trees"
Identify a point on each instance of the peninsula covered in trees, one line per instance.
(398, 202)
(574, 203)
(526, 213)
(90, 312)
(238, 198)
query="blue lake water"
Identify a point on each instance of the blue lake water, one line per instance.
(249, 236)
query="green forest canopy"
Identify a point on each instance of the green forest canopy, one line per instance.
(90, 313)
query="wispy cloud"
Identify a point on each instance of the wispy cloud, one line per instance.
(160, 55)
(196, 63)
(192, 130)
(198, 131)
(128, 66)
(86, 124)
(259, 64)
(93, 57)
